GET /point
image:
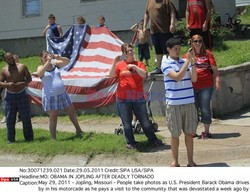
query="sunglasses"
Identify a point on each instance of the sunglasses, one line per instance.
(197, 41)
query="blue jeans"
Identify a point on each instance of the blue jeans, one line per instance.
(125, 109)
(18, 102)
(202, 102)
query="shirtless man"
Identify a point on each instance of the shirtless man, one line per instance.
(15, 77)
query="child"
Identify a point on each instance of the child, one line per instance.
(101, 21)
(143, 39)
(81, 20)
(181, 112)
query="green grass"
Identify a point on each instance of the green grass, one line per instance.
(67, 143)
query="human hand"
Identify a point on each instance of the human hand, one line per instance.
(191, 56)
(217, 85)
(11, 85)
(172, 28)
(204, 27)
(131, 67)
(34, 74)
(187, 27)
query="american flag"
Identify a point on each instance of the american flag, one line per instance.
(85, 77)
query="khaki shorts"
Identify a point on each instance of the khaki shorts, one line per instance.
(182, 117)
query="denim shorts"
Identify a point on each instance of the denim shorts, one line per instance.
(159, 40)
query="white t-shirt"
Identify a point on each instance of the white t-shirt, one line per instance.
(177, 93)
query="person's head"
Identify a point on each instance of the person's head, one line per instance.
(9, 59)
(197, 44)
(127, 49)
(80, 20)
(43, 56)
(51, 19)
(101, 20)
(173, 47)
(16, 57)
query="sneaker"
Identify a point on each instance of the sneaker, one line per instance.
(205, 135)
(10, 142)
(156, 71)
(156, 143)
(130, 146)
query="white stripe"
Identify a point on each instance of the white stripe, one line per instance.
(94, 64)
(83, 82)
(95, 96)
(81, 98)
(99, 51)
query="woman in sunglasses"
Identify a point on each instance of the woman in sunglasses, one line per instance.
(54, 95)
(130, 95)
(208, 75)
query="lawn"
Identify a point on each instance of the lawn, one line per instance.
(232, 52)
(89, 143)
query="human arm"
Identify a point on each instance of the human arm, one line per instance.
(214, 68)
(112, 70)
(173, 18)
(42, 68)
(60, 61)
(134, 28)
(45, 30)
(178, 76)
(216, 77)
(145, 23)
(208, 13)
(187, 17)
(137, 69)
(59, 28)
(3, 82)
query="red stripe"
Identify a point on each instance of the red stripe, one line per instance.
(103, 30)
(98, 58)
(88, 69)
(89, 90)
(79, 105)
(101, 44)
(83, 77)
(36, 85)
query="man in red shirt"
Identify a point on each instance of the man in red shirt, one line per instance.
(198, 18)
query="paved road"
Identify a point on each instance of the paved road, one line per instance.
(229, 147)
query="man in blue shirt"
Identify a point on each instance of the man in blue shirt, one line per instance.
(55, 28)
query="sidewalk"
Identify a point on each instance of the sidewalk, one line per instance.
(229, 146)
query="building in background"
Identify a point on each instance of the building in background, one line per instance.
(22, 21)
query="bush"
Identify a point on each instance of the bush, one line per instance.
(218, 32)
(1, 54)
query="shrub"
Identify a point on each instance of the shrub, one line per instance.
(1, 54)
(218, 32)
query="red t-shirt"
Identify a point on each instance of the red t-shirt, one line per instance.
(205, 77)
(130, 84)
(197, 13)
